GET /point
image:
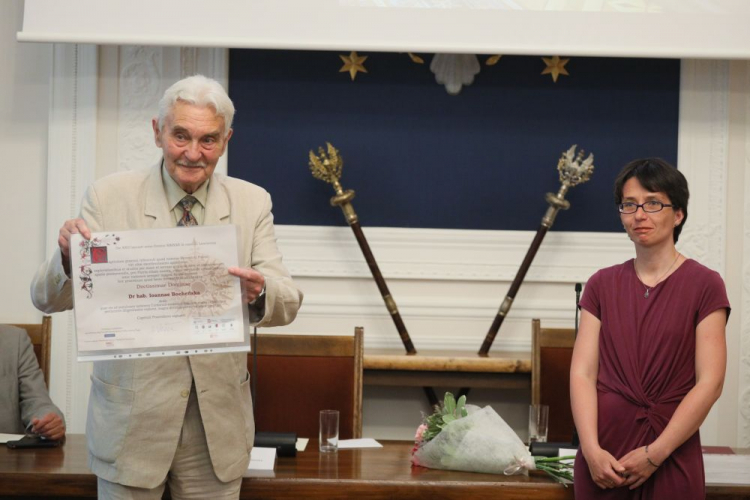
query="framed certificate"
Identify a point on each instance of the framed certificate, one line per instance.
(158, 292)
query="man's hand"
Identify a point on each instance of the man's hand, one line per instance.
(252, 282)
(72, 226)
(50, 426)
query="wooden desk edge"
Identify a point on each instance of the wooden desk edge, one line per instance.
(345, 489)
(73, 479)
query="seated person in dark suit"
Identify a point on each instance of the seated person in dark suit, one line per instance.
(24, 400)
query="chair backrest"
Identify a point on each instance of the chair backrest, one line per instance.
(41, 339)
(299, 375)
(552, 350)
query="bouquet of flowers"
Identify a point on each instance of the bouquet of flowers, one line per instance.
(473, 439)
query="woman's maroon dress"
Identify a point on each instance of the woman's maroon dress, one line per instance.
(646, 367)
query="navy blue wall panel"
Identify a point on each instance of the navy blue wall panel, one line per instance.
(418, 157)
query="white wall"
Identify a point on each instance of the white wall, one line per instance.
(24, 107)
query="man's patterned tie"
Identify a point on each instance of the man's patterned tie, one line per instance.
(188, 219)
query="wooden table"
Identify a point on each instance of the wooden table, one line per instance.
(498, 370)
(362, 474)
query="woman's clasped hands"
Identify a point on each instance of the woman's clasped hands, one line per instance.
(638, 467)
(632, 470)
(605, 470)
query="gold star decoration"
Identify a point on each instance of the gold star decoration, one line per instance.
(555, 67)
(353, 63)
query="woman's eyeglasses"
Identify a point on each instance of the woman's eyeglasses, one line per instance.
(648, 207)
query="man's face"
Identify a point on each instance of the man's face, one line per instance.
(192, 139)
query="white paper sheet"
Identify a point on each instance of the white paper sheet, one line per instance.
(262, 458)
(158, 292)
(4, 438)
(350, 444)
(565, 452)
(302, 443)
(727, 469)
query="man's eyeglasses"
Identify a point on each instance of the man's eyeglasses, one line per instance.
(648, 207)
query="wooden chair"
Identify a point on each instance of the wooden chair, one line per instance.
(41, 339)
(551, 353)
(299, 375)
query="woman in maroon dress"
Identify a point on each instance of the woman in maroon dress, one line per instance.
(650, 356)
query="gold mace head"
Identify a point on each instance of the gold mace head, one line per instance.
(327, 166)
(573, 168)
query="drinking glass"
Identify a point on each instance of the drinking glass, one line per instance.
(538, 423)
(329, 431)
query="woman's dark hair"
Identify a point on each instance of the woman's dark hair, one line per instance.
(657, 176)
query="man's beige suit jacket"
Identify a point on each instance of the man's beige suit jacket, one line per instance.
(136, 407)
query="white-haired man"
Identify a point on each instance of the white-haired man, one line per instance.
(183, 420)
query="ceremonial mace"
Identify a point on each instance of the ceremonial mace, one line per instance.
(328, 168)
(573, 170)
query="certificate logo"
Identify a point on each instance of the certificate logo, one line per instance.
(99, 255)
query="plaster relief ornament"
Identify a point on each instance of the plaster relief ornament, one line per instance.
(454, 70)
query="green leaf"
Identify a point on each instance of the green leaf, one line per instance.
(449, 403)
(461, 407)
(448, 412)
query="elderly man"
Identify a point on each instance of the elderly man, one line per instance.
(24, 400)
(183, 420)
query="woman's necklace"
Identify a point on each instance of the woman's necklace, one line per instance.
(649, 288)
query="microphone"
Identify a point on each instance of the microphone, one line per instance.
(579, 287)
